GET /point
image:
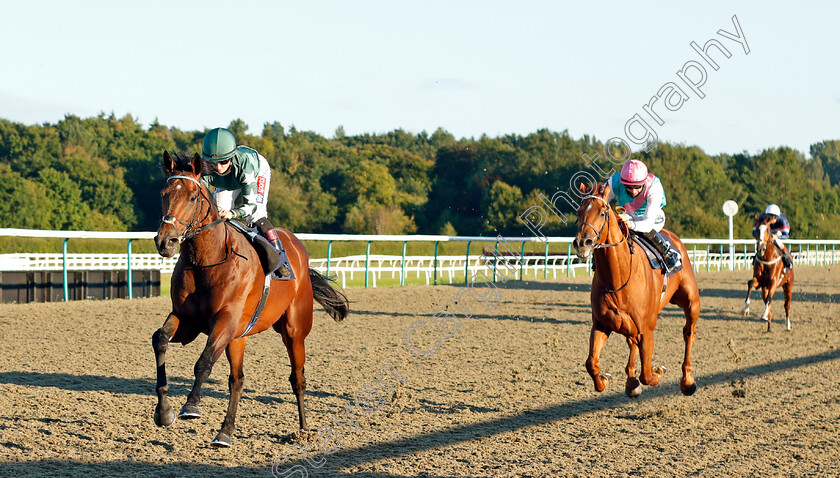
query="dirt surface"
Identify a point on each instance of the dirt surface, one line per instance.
(506, 394)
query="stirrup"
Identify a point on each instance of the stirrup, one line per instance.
(284, 270)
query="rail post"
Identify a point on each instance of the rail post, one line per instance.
(436, 256)
(128, 278)
(329, 255)
(467, 268)
(545, 262)
(367, 262)
(64, 269)
(402, 266)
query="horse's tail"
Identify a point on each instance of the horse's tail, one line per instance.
(334, 301)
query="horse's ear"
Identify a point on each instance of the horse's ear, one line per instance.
(167, 162)
(583, 189)
(196, 164)
(607, 190)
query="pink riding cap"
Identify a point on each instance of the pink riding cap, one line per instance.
(634, 173)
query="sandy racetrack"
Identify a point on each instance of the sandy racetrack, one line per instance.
(504, 395)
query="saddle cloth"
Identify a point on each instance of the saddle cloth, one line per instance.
(269, 257)
(654, 257)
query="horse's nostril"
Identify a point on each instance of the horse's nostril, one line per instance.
(588, 242)
(172, 239)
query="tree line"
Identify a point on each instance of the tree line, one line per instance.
(103, 173)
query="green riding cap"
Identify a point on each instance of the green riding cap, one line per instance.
(219, 145)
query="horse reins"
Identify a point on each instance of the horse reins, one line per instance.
(602, 246)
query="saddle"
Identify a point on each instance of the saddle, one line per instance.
(654, 257)
(269, 257)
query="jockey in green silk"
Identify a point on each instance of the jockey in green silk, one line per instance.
(240, 170)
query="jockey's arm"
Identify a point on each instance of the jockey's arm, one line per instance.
(248, 182)
(646, 222)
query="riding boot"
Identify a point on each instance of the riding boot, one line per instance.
(787, 259)
(284, 270)
(672, 256)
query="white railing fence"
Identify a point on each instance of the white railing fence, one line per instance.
(705, 254)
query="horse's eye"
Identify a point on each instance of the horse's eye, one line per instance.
(193, 197)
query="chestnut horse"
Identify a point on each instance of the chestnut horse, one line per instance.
(627, 293)
(769, 273)
(217, 285)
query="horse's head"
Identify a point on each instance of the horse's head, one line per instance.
(766, 243)
(184, 201)
(593, 218)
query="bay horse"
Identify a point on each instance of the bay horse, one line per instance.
(627, 294)
(768, 274)
(217, 285)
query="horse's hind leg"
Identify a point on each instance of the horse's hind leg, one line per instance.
(751, 284)
(788, 289)
(235, 352)
(649, 376)
(164, 414)
(597, 339)
(692, 314)
(633, 388)
(297, 325)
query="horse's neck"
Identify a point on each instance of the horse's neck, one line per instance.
(770, 250)
(208, 246)
(613, 263)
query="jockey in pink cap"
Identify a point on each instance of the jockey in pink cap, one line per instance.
(642, 196)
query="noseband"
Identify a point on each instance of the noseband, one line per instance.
(188, 233)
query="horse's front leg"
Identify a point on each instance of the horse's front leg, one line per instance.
(597, 338)
(751, 284)
(768, 297)
(235, 354)
(788, 289)
(633, 388)
(164, 414)
(219, 338)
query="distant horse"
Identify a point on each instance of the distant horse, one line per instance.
(217, 285)
(627, 293)
(769, 273)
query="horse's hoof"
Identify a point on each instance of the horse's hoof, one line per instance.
(605, 381)
(189, 411)
(166, 418)
(633, 389)
(222, 440)
(689, 390)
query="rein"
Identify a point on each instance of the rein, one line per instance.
(598, 233)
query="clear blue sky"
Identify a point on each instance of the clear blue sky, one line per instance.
(471, 67)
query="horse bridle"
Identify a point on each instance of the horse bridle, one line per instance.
(188, 234)
(606, 223)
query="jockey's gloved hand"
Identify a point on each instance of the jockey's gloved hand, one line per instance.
(628, 221)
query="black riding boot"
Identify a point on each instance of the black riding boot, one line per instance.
(671, 255)
(786, 258)
(284, 270)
